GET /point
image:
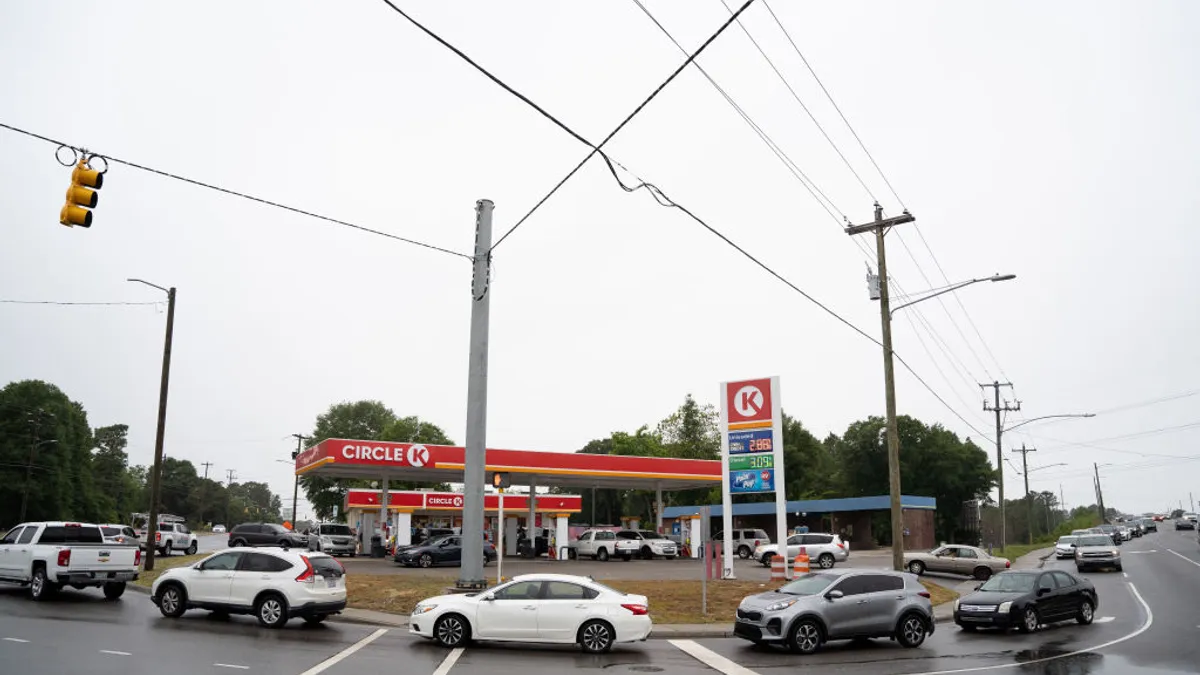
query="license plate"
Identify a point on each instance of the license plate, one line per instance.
(331, 583)
(124, 576)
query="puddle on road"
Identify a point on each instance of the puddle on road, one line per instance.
(1092, 663)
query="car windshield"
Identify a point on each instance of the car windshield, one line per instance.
(1064, 541)
(338, 530)
(1010, 583)
(1094, 540)
(436, 541)
(809, 584)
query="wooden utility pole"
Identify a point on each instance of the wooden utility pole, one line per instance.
(1025, 472)
(206, 465)
(880, 227)
(999, 409)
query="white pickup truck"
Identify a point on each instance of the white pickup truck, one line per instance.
(602, 544)
(47, 556)
(170, 537)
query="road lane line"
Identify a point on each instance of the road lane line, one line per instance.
(1184, 557)
(15, 640)
(341, 656)
(449, 661)
(710, 658)
(115, 653)
(231, 665)
(1002, 666)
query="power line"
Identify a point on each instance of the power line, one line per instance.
(260, 200)
(54, 302)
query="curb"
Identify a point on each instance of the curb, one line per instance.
(137, 589)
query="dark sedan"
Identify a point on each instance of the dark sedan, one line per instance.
(1026, 600)
(439, 551)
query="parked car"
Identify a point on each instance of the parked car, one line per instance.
(332, 538)
(265, 534)
(174, 536)
(650, 543)
(823, 550)
(1026, 600)
(1096, 550)
(218, 529)
(275, 585)
(424, 534)
(1065, 546)
(1124, 533)
(441, 551)
(838, 605)
(45, 556)
(1112, 532)
(956, 559)
(745, 542)
(601, 544)
(553, 608)
(116, 533)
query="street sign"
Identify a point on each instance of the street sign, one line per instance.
(758, 440)
(762, 460)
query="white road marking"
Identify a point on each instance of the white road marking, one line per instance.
(341, 656)
(114, 653)
(1105, 619)
(1153, 550)
(231, 665)
(710, 658)
(1125, 574)
(15, 640)
(1184, 557)
(1002, 666)
(449, 661)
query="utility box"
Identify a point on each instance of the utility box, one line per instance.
(873, 285)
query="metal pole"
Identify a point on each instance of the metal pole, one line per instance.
(471, 571)
(705, 543)
(500, 542)
(889, 378)
(156, 470)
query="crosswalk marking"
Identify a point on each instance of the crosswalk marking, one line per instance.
(711, 659)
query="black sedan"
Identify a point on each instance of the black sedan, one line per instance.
(439, 551)
(1026, 600)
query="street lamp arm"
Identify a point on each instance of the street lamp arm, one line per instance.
(955, 287)
(1048, 417)
(143, 281)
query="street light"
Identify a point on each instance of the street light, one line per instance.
(1047, 417)
(1024, 454)
(955, 287)
(156, 470)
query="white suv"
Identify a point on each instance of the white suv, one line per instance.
(272, 584)
(823, 550)
(650, 543)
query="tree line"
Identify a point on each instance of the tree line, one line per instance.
(55, 466)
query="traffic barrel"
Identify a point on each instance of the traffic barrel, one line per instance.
(777, 568)
(801, 564)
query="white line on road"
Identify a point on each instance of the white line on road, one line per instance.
(115, 653)
(1001, 666)
(1125, 574)
(341, 656)
(1105, 619)
(15, 640)
(711, 659)
(449, 661)
(1184, 557)
(231, 665)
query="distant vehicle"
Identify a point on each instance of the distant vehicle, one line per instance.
(551, 608)
(650, 543)
(1185, 524)
(116, 533)
(174, 537)
(1027, 600)
(265, 534)
(1079, 532)
(218, 529)
(1096, 550)
(440, 551)
(601, 544)
(427, 533)
(272, 584)
(1112, 532)
(1124, 532)
(1065, 547)
(1150, 524)
(838, 605)
(745, 541)
(332, 538)
(823, 550)
(956, 559)
(45, 556)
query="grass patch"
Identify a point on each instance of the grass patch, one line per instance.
(671, 602)
(1014, 551)
(163, 564)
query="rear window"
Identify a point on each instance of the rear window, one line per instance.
(326, 566)
(111, 531)
(336, 530)
(646, 534)
(71, 534)
(627, 534)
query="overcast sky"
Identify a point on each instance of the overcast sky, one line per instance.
(1052, 141)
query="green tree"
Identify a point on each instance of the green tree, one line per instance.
(359, 420)
(110, 473)
(691, 432)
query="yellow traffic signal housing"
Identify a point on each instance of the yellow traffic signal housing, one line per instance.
(80, 196)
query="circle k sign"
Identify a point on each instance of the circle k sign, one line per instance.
(748, 401)
(418, 456)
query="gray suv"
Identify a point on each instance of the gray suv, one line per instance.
(838, 605)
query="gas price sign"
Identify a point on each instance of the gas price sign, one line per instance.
(759, 440)
(751, 462)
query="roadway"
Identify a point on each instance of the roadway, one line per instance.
(1147, 625)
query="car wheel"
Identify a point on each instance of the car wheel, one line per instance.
(825, 560)
(315, 619)
(284, 545)
(425, 560)
(766, 560)
(114, 590)
(602, 555)
(191, 549)
(983, 573)
(235, 543)
(1080, 568)
(271, 610)
(1086, 613)
(916, 567)
(451, 631)
(912, 631)
(1029, 620)
(1119, 568)
(39, 586)
(171, 601)
(743, 552)
(805, 637)
(596, 637)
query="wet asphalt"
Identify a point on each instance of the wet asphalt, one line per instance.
(80, 632)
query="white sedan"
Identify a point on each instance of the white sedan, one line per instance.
(550, 608)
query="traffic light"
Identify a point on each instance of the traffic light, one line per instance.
(81, 196)
(501, 481)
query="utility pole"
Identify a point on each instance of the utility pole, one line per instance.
(1193, 501)
(471, 571)
(35, 418)
(1025, 472)
(880, 227)
(1062, 502)
(999, 409)
(156, 470)
(1099, 494)
(206, 465)
(300, 438)
(230, 475)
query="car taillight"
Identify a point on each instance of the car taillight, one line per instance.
(1007, 564)
(842, 545)
(64, 557)
(158, 536)
(137, 557)
(638, 610)
(757, 543)
(307, 575)
(924, 594)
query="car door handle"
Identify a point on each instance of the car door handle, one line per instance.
(530, 607)
(581, 606)
(899, 597)
(861, 602)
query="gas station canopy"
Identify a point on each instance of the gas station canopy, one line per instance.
(342, 458)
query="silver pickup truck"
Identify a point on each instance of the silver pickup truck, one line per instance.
(49, 555)
(603, 544)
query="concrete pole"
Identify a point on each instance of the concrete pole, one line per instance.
(471, 571)
(530, 529)
(658, 507)
(383, 514)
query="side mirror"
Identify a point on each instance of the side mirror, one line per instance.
(1043, 591)
(834, 595)
(978, 586)
(488, 597)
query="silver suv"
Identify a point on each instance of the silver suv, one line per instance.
(745, 541)
(823, 550)
(838, 605)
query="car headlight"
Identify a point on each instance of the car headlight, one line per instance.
(1005, 607)
(956, 604)
(782, 604)
(423, 609)
(1116, 553)
(326, 540)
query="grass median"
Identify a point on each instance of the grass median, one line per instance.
(162, 564)
(671, 602)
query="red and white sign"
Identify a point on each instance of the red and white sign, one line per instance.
(749, 401)
(444, 501)
(419, 500)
